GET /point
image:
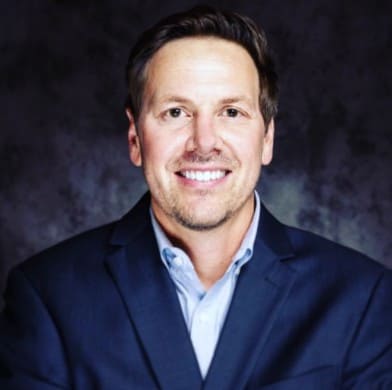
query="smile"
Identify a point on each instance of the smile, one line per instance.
(203, 176)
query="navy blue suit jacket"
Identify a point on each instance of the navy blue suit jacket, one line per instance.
(100, 311)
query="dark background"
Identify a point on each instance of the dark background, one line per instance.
(63, 151)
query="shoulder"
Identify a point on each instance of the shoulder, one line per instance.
(87, 251)
(323, 268)
(310, 253)
(322, 252)
(336, 273)
(86, 247)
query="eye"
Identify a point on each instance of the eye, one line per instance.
(174, 112)
(175, 116)
(232, 112)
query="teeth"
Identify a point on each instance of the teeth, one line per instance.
(203, 175)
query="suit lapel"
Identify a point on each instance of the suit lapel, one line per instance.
(151, 301)
(261, 292)
(150, 298)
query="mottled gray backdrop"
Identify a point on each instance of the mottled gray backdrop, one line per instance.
(63, 152)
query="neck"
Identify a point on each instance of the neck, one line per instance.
(211, 251)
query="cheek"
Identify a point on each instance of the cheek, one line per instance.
(159, 148)
(248, 145)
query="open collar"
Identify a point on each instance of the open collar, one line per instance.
(150, 298)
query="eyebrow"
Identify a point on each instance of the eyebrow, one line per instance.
(236, 99)
(184, 100)
(170, 99)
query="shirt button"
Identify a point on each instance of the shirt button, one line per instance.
(177, 261)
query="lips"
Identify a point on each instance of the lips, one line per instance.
(203, 176)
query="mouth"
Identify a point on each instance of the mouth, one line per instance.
(203, 176)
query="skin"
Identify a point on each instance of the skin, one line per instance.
(200, 119)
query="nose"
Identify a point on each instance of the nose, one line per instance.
(204, 138)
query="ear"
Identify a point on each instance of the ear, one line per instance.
(135, 153)
(268, 144)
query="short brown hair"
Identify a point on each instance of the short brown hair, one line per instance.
(210, 22)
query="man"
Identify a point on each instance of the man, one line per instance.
(198, 286)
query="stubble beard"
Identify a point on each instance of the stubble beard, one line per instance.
(184, 214)
(186, 217)
(191, 223)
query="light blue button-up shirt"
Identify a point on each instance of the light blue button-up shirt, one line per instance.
(204, 311)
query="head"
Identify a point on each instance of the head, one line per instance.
(201, 106)
(204, 21)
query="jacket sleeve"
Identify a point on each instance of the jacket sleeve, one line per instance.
(31, 352)
(369, 360)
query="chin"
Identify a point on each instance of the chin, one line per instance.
(201, 224)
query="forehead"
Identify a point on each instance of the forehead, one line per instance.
(194, 62)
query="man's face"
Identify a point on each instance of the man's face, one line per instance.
(200, 137)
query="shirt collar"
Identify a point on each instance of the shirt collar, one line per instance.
(167, 250)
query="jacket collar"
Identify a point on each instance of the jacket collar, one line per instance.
(271, 232)
(262, 291)
(151, 301)
(152, 304)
